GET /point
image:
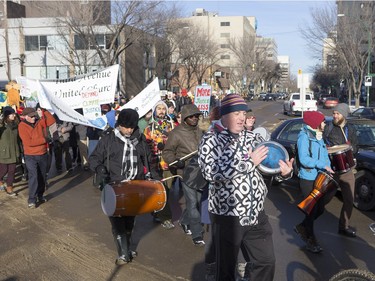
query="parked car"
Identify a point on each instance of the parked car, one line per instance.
(364, 112)
(270, 97)
(330, 102)
(287, 133)
(322, 98)
(262, 96)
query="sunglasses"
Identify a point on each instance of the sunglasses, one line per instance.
(195, 115)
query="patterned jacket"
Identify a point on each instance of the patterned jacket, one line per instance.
(236, 186)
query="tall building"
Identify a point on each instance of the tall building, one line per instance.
(221, 29)
(98, 11)
(284, 63)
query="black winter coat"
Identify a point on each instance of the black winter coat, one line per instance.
(111, 146)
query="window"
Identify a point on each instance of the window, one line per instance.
(82, 42)
(79, 42)
(31, 43)
(224, 46)
(39, 42)
(225, 23)
(43, 43)
(225, 57)
(225, 35)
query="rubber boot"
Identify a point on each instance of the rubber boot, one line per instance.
(122, 245)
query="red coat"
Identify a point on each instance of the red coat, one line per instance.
(34, 138)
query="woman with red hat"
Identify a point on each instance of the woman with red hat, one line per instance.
(313, 157)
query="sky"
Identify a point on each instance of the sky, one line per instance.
(281, 20)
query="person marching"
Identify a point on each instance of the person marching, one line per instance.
(125, 151)
(182, 141)
(156, 134)
(337, 133)
(34, 142)
(228, 160)
(313, 158)
(10, 149)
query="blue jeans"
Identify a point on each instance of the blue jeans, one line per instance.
(37, 169)
(191, 215)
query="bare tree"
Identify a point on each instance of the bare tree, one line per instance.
(348, 36)
(194, 55)
(242, 73)
(105, 44)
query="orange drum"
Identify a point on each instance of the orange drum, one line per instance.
(324, 185)
(342, 159)
(131, 198)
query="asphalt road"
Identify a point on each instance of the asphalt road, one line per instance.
(170, 254)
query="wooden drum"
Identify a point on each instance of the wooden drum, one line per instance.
(131, 198)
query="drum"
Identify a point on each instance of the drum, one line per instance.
(263, 133)
(131, 198)
(342, 159)
(276, 152)
(324, 185)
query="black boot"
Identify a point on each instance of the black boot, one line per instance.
(122, 243)
(132, 254)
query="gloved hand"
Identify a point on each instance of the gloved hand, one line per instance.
(148, 176)
(180, 164)
(101, 170)
(161, 146)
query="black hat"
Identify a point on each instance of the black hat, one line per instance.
(128, 118)
(7, 110)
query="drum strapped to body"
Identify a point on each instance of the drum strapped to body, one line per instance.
(131, 198)
(324, 185)
(342, 159)
(276, 152)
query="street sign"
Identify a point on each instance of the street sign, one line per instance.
(368, 81)
(218, 74)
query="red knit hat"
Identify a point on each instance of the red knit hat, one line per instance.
(313, 118)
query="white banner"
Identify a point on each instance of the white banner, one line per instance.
(67, 113)
(146, 99)
(70, 90)
(202, 98)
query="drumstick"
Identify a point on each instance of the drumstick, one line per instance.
(171, 177)
(183, 158)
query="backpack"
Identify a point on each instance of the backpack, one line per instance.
(297, 163)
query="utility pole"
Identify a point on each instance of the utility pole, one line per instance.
(369, 64)
(9, 71)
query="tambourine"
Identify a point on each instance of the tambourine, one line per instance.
(276, 152)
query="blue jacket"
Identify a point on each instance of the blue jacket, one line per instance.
(310, 165)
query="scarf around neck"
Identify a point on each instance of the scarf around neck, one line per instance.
(129, 165)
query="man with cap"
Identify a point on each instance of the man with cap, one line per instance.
(34, 141)
(237, 192)
(337, 133)
(313, 157)
(122, 154)
(182, 141)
